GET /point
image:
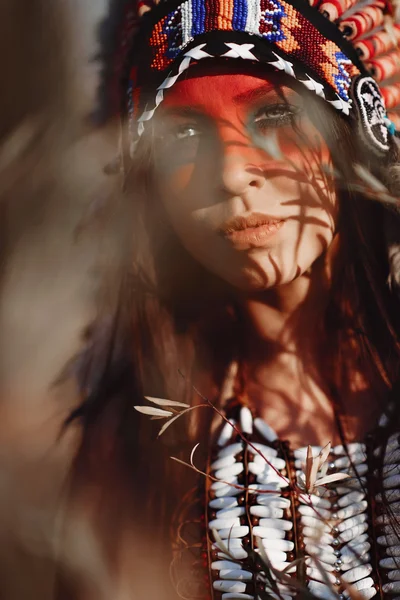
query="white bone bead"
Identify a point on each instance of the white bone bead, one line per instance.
(357, 573)
(311, 511)
(324, 556)
(231, 450)
(273, 461)
(217, 565)
(230, 513)
(391, 458)
(237, 553)
(233, 543)
(265, 430)
(264, 489)
(316, 501)
(387, 540)
(360, 540)
(275, 596)
(234, 532)
(391, 588)
(353, 483)
(315, 523)
(353, 532)
(314, 573)
(394, 507)
(220, 463)
(276, 482)
(217, 485)
(363, 584)
(275, 556)
(229, 586)
(246, 420)
(387, 529)
(229, 596)
(368, 593)
(391, 469)
(389, 496)
(394, 575)
(391, 482)
(276, 524)
(227, 472)
(322, 590)
(263, 469)
(351, 449)
(358, 519)
(394, 439)
(389, 563)
(348, 554)
(284, 545)
(354, 509)
(226, 502)
(223, 523)
(356, 562)
(266, 512)
(383, 420)
(314, 536)
(360, 469)
(266, 532)
(266, 451)
(227, 490)
(301, 453)
(344, 461)
(227, 432)
(236, 575)
(273, 500)
(274, 534)
(393, 551)
(348, 499)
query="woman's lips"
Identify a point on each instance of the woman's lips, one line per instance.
(252, 231)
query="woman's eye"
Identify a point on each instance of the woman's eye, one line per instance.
(183, 132)
(276, 115)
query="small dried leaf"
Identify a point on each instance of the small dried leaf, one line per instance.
(323, 455)
(309, 464)
(310, 481)
(331, 478)
(155, 412)
(221, 545)
(192, 453)
(294, 563)
(167, 424)
(163, 402)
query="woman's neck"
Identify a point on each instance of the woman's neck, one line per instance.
(288, 315)
(285, 352)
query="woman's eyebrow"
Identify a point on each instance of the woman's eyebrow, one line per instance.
(183, 111)
(258, 93)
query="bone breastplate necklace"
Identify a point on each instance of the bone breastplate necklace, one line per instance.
(280, 522)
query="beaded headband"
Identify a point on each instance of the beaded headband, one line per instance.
(337, 49)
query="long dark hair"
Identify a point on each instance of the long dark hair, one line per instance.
(169, 318)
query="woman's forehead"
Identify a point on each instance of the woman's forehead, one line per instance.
(217, 88)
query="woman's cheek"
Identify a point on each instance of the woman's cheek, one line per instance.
(178, 179)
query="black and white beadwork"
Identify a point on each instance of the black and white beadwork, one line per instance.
(372, 113)
(259, 498)
(255, 53)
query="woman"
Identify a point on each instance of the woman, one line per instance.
(260, 299)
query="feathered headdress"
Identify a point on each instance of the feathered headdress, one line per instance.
(345, 51)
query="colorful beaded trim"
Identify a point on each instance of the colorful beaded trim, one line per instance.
(274, 21)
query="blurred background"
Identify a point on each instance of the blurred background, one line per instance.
(52, 259)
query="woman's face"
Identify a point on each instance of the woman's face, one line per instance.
(243, 176)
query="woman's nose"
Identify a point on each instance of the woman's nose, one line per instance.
(240, 174)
